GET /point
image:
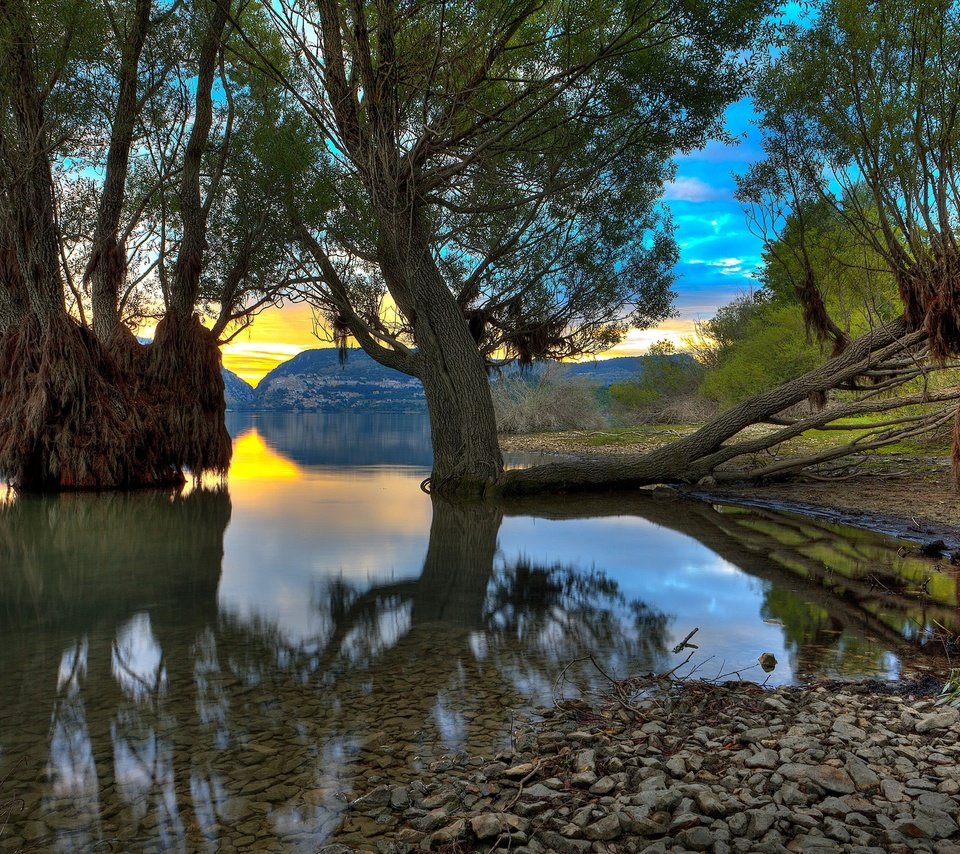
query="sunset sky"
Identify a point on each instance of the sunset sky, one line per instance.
(717, 258)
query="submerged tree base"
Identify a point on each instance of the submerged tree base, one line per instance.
(75, 415)
(186, 384)
(68, 417)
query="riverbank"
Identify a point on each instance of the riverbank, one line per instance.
(905, 495)
(692, 766)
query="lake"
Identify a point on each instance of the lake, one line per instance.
(225, 668)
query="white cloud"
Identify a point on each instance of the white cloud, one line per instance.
(685, 189)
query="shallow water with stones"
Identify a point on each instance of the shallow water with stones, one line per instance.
(225, 669)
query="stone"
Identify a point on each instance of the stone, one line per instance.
(864, 778)
(764, 759)
(709, 804)
(696, 838)
(892, 789)
(603, 786)
(586, 761)
(915, 828)
(584, 779)
(848, 732)
(944, 718)
(605, 829)
(676, 766)
(831, 779)
(759, 821)
(520, 771)
(486, 825)
(433, 820)
(449, 834)
(399, 798)
(538, 790)
(562, 844)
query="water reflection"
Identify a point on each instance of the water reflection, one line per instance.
(206, 671)
(146, 717)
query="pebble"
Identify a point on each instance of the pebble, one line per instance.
(691, 767)
(710, 768)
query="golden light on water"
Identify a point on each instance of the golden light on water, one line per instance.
(253, 459)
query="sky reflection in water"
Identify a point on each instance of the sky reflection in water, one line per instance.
(212, 669)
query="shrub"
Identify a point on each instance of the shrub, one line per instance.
(547, 400)
(666, 391)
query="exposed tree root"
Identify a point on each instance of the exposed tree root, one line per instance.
(69, 419)
(185, 380)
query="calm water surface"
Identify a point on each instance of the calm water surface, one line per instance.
(223, 669)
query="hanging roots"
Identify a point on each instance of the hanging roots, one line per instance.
(931, 300)
(956, 450)
(68, 417)
(541, 341)
(341, 335)
(930, 291)
(185, 381)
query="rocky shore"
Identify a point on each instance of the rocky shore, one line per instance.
(660, 766)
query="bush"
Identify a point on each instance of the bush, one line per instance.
(531, 403)
(774, 349)
(666, 391)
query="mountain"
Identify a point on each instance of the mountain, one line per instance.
(315, 381)
(239, 393)
(607, 371)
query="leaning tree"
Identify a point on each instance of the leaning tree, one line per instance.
(491, 180)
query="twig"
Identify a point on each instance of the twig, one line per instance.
(684, 644)
(526, 779)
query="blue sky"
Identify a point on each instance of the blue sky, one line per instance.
(718, 254)
(718, 257)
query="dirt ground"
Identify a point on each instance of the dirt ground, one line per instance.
(908, 495)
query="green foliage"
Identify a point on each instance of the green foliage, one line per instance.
(665, 377)
(533, 143)
(859, 110)
(763, 339)
(773, 348)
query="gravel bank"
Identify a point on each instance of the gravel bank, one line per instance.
(691, 766)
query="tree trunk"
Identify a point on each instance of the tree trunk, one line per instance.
(697, 455)
(466, 452)
(106, 268)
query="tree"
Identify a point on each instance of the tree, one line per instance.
(860, 129)
(494, 170)
(121, 177)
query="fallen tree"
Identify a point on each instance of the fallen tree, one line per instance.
(890, 350)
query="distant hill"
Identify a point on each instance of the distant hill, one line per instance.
(239, 393)
(314, 381)
(607, 371)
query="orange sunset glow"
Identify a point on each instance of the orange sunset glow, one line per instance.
(278, 334)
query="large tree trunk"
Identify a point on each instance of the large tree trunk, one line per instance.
(699, 454)
(466, 453)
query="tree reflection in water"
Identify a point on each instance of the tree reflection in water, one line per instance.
(172, 725)
(138, 715)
